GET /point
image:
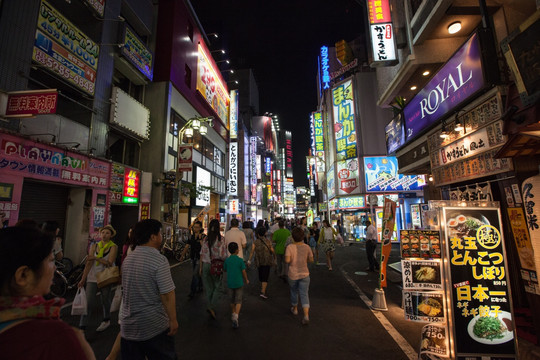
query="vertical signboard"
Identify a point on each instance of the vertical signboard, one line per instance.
(331, 182)
(233, 168)
(131, 186)
(344, 120)
(382, 34)
(312, 134)
(64, 50)
(204, 179)
(347, 172)
(288, 155)
(324, 72)
(389, 220)
(233, 115)
(318, 134)
(233, 206)
(185, 157)
(253, 167)
(477, 280)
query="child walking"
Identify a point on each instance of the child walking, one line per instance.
(236, 277)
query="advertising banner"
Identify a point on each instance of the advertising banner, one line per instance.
(382, 175)
(379, 11)
(522, 238)
(318, 134)
(324, 72)
(29, 103)
(395, 134)
(99, 216)
(344, 120)
(351, 202)
(253, 168)
(347, 172)
(39, 161)
(389, 221)
(117, 183)
(233, 206)
(137, 53)
(479, 287)
(233, 169)
(145, 211)
(331, 182)
(422, 274)
(459, 79)
(130, 194)
(64, 50)
(210, 85)
(434, 341)
(424, 244)
(204, 179)
(288, 155)
(424, 306)
(233, 115)
(185, 157)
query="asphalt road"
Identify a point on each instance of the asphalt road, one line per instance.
(342, 326)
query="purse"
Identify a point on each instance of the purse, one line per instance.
(216, 265)
(109, 276)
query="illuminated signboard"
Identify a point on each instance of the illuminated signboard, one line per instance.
(267, 166)
(233, 115)
(131, 186)
(259, 166)
(318, 134)
(64, 50)
(288, 155)
(344, 118)
(351, 202)
(204, 178)
(379, 11)
(312, 134)
(382, 33)
(233, 168)
(347, 173)
(210, 85)
(137, 53)
(382, 175)
(253, 167)
(324, 69)
(28, 103)
(331, 183)
(233, 206)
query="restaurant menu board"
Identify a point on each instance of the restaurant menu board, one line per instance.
(420, 244)
(434, 341)
(424, 306)
(422, 274)
(477, 280)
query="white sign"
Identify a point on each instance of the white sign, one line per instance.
(382, 42)
(347, 173)
(203, 179)
(233, 116)
(233, 206)
(233, 169)
(464, 148)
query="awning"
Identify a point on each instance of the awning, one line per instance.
(524, 143)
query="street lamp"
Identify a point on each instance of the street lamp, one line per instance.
(220, 50)
(197, 123)
(189, 132)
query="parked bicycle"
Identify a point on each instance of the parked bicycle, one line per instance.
(76, 274)
(59, 284)
(174, 242)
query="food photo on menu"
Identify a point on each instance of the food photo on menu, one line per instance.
(422, 274)
(424, 306)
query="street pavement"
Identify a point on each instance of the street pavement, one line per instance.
(342, 326)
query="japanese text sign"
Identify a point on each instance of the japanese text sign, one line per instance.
(137, 53)
(388, 227)
(233, 169)
(379, 11)
(434, 341)
(185, 157)
(43, 162)
(131, 186)
(210, 85)
(324, 69)
(382, 175)
(347, 172)
(28, 103)
(421, 274)
(522, 238)
(344, 120)
(288, 155)
(455, 82)
(117, 183)
(233, 115)
(63, 49)
(233, 206)
(318, 134)
(351, 202)
(204, 181)
(331, 182)
(382, 43)
(478, 281)
(424, 306)
(145, 211)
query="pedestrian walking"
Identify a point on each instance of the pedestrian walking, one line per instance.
(264, 258)
(30, 326)
(213, 254)
(327, 242)
(371, 246)
(194, 247)
(247, 229)
(236, 277)
(279, 238)
(312, 242)
(236, 235)
(100, 256)
(304, 227)
(148, 311)
(317, 232)
(298, 255)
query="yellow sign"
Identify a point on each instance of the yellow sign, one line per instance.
(522, 238)
(210, 86)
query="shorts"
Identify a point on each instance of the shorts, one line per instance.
(236, 295)
(264, 273)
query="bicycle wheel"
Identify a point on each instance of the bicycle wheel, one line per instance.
(178, 249)
(59, 285)
(75, 276)
(67, 266)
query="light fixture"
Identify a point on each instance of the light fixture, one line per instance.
(430, 178)
(459, 126)
(454, 27)
(223, 61)
(215, 35)
(414, 87)
(203, 130)
(426, 73)
(220, 50)
(444, 134)
(189, 132)
(196, 124)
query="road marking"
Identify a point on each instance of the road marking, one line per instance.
(400, 340)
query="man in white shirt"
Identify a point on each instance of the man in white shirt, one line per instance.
(236, 235)
(371, 246)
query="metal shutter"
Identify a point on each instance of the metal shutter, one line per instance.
(43, 202)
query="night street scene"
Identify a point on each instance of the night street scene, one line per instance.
(238, 179)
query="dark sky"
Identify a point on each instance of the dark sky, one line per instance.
(280, 41)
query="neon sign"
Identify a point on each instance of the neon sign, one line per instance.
(325, 74)
(131, 186)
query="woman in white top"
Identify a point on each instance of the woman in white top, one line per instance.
(327, 241)
(100, 256)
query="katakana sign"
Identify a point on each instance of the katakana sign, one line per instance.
(344, 120)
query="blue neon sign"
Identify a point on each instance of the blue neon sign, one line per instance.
(325, 74)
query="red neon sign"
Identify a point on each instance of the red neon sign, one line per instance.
(131, 186)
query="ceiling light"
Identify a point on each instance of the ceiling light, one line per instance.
(426, 73)
(413, 87)
(454, 27)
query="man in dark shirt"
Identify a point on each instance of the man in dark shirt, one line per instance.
(194, 246)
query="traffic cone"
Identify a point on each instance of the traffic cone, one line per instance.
(379, 301)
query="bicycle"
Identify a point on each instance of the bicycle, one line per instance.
(59, 284)
(76, 274)
(172, 244)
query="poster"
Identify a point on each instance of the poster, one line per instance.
(424, 306)
(344, 120)
(478, 284)
(99, 216)
(522, 238)
(420, 244)
(422, 274)
(389, 222)
(382, 176)
(434, 340)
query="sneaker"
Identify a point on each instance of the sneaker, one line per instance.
(235, 324)
(305, 321)
(294, 311)
(264, 296)
(103, 326)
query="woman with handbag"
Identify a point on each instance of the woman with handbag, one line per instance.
(100, 265)
(327, 240)
(264, 257)
(213, 255)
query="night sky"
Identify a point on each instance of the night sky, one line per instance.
(280, 41)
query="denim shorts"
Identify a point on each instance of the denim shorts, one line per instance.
(236, 295)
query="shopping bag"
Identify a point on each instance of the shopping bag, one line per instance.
(115, 304)
(79, 306)
(109, 276)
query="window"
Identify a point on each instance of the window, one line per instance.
(123, 150)
(187, 76)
